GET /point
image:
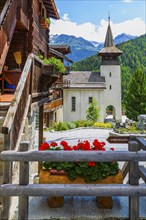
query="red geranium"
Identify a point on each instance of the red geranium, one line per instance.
(44, 146)
(91, 170)
(91, 164)
(53, 144)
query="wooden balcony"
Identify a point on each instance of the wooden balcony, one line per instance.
(53, 105)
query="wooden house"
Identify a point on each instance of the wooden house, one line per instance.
(24, 34)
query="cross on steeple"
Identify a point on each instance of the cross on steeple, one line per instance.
(109, 18)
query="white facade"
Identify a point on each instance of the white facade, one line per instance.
(112, 94)
(82, 102)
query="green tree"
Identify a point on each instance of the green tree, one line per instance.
(135, 98)
(93, 112)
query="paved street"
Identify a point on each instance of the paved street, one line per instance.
(72, 136)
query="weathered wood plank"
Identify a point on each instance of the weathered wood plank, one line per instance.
(4, 11)
(142, 170)
(23, 180)
(133, 146)
(125, 169)
(23, 121)
(7, 178)
(72, 156)
(72, 190)
(142, 143)
(41, 123)
(18, 93)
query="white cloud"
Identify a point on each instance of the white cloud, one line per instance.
(94, 32)
(127, 1)
(65, 17)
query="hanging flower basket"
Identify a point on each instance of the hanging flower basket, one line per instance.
(79, 172)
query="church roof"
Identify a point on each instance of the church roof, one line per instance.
(85, 79)
(109, 45)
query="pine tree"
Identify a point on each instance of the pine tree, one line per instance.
(135, 98)
(93, 112)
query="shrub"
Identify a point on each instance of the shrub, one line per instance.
(71, 125)
(102, 125)
(79, 123)
(93, 112)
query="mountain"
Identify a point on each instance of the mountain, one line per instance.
(82, 48)
(123, 38)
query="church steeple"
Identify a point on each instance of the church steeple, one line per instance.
(110, 52)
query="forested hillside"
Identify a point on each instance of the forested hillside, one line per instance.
(134, 55)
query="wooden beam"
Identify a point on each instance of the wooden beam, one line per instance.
(142, 170)
(133, 181)
(14, 105)
(23, 180)
(70, 156)
(41, 124)
(142, 143)
(72, 190)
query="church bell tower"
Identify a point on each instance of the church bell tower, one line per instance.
(111, 70)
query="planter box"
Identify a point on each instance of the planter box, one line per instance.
(48, 69)
(44, 24)
(102, 202)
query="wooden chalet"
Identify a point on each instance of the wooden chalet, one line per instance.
(24, 34)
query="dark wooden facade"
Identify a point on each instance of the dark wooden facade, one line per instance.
(20, 29)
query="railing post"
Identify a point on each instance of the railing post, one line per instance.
(7, 178)
(133, 180)
(41, 108)
(23, 180)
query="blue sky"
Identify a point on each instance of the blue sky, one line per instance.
(88, 18)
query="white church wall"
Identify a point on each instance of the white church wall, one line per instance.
(112, 94)
(82, 103)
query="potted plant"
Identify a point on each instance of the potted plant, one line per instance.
(79, 172)
(44, 22)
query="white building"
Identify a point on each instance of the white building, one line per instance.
(105, 86)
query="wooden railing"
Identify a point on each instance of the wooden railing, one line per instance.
(28, 84)
(23, 190)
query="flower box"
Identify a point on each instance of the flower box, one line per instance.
(44, 24)
(48, 69)
(79, 172)
(45, 177)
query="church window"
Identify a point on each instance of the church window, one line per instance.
(73, 104)
(110, 87)
(90, 99)
(110, 74)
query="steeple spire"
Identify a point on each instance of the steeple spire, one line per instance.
(109, 41)
(109, 52)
